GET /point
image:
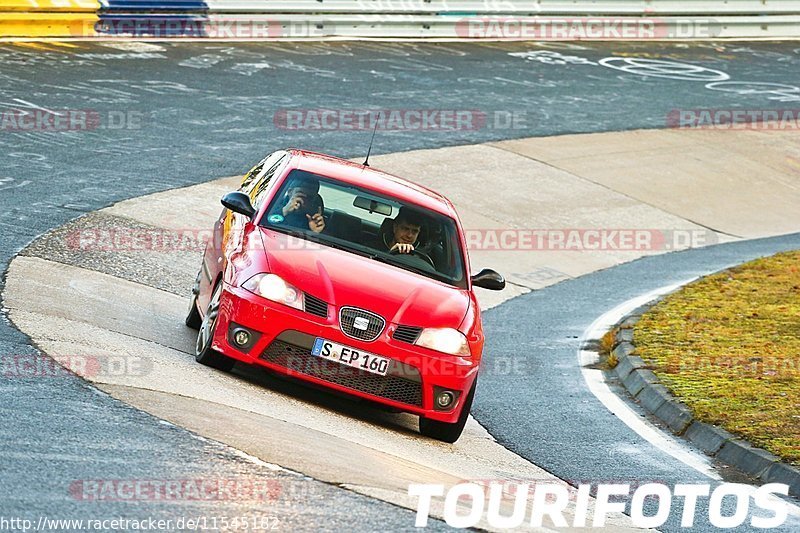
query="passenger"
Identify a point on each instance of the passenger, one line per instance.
(303, 206)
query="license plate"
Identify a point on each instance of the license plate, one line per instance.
(368, 362)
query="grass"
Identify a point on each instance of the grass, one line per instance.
(728, 346)
(605, 346)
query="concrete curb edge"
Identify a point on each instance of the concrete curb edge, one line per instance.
(640, 382)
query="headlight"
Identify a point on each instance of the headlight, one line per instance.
(446, 340)
(273, 288)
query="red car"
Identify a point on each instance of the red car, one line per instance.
(346, 277)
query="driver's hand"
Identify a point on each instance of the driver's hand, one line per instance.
(295, 202)
(402, 248)
(317, 222)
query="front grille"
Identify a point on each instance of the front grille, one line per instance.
(408, 334)
(315, 306)
(347, 321)
(299, 360)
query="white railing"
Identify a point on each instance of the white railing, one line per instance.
(288, 26)
(512, 7)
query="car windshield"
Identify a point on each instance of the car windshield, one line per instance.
(369, 224)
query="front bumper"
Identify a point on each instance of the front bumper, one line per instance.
(283, 341)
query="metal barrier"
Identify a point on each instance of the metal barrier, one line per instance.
(402, 19)
(475, 7)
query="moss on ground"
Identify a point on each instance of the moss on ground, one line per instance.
(728, 346)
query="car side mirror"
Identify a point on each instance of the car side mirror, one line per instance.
(239, 202)
(489, 279)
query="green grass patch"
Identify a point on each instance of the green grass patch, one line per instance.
(728, 346)
(606, 344)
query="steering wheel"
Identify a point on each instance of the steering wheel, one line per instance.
(416, 252)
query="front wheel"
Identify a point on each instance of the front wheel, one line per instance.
(204, 353)
(445, 431)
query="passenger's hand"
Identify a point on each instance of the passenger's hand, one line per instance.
(317, 222)
(296, 202)
(402, 248)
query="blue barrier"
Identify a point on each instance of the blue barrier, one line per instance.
(152, 5)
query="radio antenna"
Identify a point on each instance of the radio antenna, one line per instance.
(369, 150)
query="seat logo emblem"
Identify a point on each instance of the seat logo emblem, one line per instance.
(361, 323)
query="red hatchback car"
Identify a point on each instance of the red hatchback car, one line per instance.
(346, 277)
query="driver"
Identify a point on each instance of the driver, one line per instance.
(404, 232)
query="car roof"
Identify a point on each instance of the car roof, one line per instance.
(371, 178)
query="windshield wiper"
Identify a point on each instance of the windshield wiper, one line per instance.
(378, 257)
(345, 248)
(416, 270)
(313, 237)
(288, 231)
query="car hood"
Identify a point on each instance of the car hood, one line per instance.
(345, 279)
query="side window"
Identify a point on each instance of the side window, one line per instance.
(264, 181)
(251, 178)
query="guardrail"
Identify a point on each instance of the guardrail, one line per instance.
(49, 6)
(472, 7)
(38, 19)
(401, 19)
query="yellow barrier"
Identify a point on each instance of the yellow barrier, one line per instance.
(33, 25)
(34, 6)
(47, 18)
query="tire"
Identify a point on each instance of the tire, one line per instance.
(203, 352)
(444, 431)
(193, 318)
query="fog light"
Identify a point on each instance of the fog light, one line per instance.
(241, 338)
(444, 399)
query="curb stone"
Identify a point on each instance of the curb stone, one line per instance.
(783, 473)
(653, 397)
(644, 386)
(626, 362)
(638, 380)
(750, 460)
(707, 437)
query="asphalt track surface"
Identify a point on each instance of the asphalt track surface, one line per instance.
(202, 111)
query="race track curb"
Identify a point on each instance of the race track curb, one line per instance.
(640, 381)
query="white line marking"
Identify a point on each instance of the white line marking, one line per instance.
(596, 382)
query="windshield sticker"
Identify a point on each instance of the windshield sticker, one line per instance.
(275, 219)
